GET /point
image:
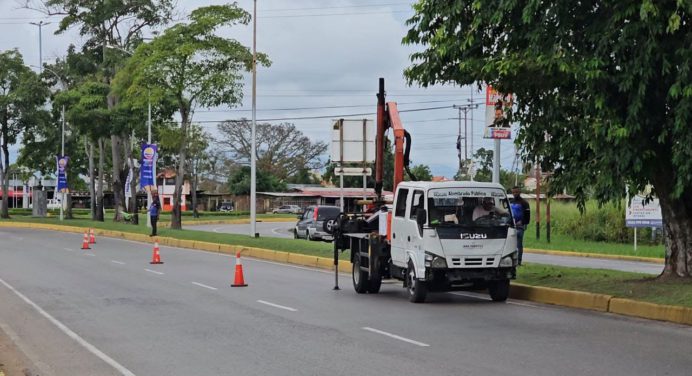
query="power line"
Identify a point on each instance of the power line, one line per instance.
(319, 107)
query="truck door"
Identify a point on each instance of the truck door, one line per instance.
(398, 228)
(414, 236)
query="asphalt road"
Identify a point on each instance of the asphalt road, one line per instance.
(285, 230)
(109, 312)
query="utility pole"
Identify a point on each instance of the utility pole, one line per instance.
(538, 200)
(40, 25)
(465, 108)
(253, 156)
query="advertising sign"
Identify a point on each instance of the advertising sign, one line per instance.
(639, 214)
(62, 174)
(353, 141)
(146, 172)
(497, 106)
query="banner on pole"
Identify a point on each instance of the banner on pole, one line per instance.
(497, 105)
(128, 183)
(62, 173)
(147, 179)
(639, 213)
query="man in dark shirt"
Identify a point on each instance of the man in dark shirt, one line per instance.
(523, 220)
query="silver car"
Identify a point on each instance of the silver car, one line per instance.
(287, 209)
(311, 223)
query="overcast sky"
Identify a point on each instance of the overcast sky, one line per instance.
(325, 53)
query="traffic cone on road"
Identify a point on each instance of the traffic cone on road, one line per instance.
(92, 238)
(156, 257)
(85, 242)
(239, 281)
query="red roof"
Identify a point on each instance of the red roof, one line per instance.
(336, 192)
(16, 194)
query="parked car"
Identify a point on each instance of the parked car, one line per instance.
(225, 207)
(51, 204)
(288, 209)
(311, 223)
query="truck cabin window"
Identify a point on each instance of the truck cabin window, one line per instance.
(468, 207)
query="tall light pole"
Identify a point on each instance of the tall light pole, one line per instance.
(62, 136)
(253, 156)
(40, 25)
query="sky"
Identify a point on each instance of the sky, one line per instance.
(327, 54)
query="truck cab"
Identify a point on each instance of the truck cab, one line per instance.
(453, 235)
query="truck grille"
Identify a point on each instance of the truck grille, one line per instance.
(473, 261)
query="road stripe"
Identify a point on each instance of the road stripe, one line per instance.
(218, 230)
(400, 338)
(277, 306)
(205, 286)
(91, 348)
(118, 262)
(481, 297)
(69, 249)
(89, 254)
(153, 271)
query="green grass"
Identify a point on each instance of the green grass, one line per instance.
(627, 285)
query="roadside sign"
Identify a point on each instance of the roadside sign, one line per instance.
(352, 171)
(639, 214)
(353, 141)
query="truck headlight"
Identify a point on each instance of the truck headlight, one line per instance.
(507, 262)
(434, 261)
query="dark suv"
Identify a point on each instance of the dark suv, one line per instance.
(311, 223)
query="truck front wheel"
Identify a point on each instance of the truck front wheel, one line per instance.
(499, 290)
(360, 278)
(417, 290)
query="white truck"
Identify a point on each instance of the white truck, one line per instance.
(437, 236)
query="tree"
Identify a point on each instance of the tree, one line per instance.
(421, 172)
(282, 150)
(198, 144)
(109, 25)
(21, 96)
(195, 66)
(239, 182)
(603, 91)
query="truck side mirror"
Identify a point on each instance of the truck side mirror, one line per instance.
(421, 217)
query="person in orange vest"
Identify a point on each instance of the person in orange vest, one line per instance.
(154, 210)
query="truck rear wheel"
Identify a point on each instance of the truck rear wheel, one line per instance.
(360, 278)
(417, 290)
(375, 281)
(499, 290)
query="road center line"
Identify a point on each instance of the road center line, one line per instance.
(277, 306)
(153, 271)
(91, 348)
(118, 262)
(89, 254)
(69, 249)
(205, 286)
(400, 338)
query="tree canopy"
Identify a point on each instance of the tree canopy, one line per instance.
(603, 90)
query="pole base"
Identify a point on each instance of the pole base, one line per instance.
(336, 288)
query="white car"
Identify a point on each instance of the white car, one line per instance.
(52, 204)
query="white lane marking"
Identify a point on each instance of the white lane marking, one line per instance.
(118, 262)
(277, 306)
(91, 348)
(205, 286)
(400, 338)
(69, 249)
(89, 254)
(282, 231)
(217, 230)
(481, 297)
(153, 271)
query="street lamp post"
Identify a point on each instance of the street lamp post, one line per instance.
(40, 25)
(253, 156)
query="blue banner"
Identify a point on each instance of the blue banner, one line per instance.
(62, 173)
(146, 172)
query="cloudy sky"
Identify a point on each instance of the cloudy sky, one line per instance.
(326, 54)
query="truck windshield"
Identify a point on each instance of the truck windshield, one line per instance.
(465, 207)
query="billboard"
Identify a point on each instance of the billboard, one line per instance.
(639, 214)
(353, 141)
(497, 106)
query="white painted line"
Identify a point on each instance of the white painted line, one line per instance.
(277, 306)
(69, 249)
(217, 230)
(400, 338)
(91, 348)
(481, 297)
(282, 231)
(118, 262)
(89, 254)
(153, 271)
(205, 286)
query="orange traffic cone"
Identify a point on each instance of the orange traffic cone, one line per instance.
(239, 280)
(156, 257)
(92, 238)
(85, 242)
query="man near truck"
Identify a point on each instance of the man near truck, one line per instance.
(521, 211)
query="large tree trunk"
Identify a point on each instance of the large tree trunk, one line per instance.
(677, 229)
(118, 185)
(89, 149)
(68, 206)
(99, 195)
(176, 216)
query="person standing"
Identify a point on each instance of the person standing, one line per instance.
(154, 210)
(521, 210)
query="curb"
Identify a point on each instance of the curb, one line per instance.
(547, 295)
(594, 255)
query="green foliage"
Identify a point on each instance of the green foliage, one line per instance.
(239, 182)
(421, 172)
(604, 92)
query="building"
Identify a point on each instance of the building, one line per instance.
(165, 182)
